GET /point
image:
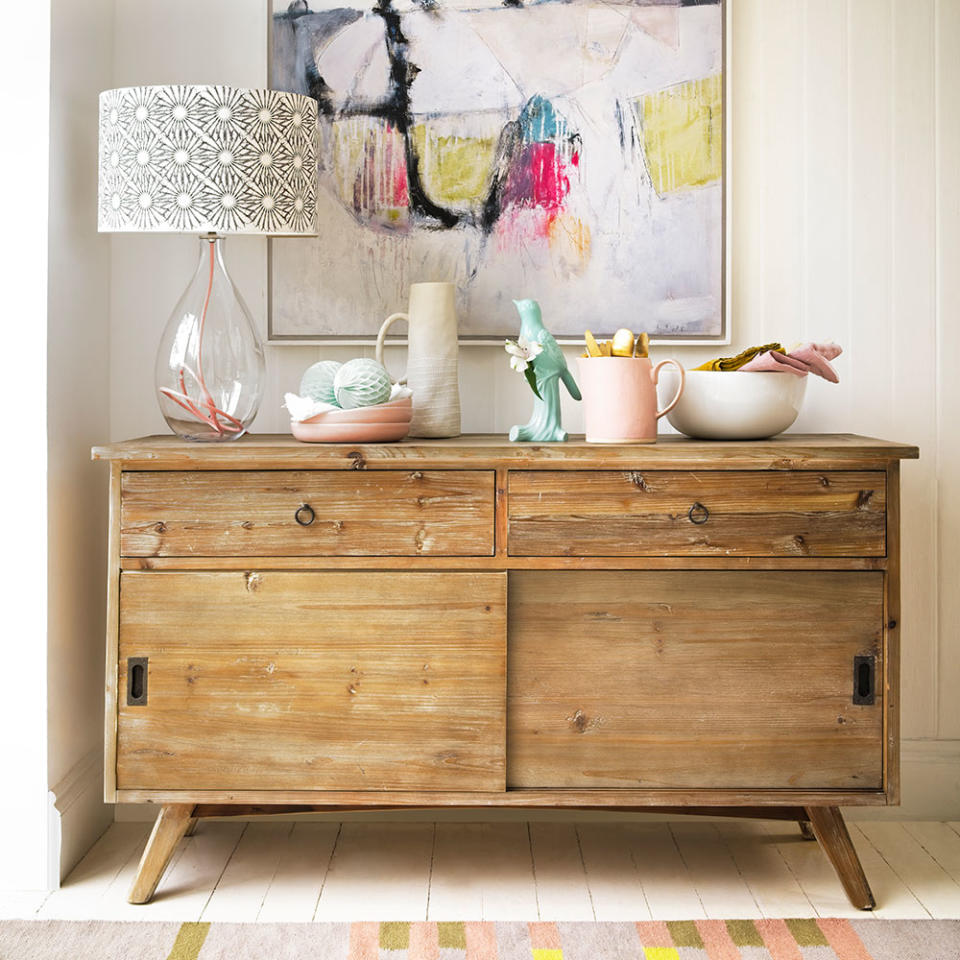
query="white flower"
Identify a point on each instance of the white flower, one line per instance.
(522, 351)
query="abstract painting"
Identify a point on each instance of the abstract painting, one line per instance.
(571, 151)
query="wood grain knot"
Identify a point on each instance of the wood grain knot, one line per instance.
(637, 480)
(160, 527)
(416, 475)
(358, 461)
(604, 615)
(863, 499)
(253, 581)
(582, 723)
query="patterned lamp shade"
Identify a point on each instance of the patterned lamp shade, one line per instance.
(207, 159)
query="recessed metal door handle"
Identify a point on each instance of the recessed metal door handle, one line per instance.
(864, 680)
(137, 681)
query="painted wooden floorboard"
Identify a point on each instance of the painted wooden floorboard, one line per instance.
(893, 897)
(811, 869)
(189, 883)
(933, 887)
(280, 870)
(612, 877)
(940, 842)
(298, 881)
(720, 885)
(559, 874)
(667, 886)
(509, 892)
(86, 886)
(379, 871)
(15, 906)
(456, 884)
(774, 887)
(482, 871)
(241, 890)
(113, 904)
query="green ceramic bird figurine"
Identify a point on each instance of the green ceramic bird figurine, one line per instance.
(550, 366)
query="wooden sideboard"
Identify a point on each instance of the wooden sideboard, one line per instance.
(687, 626)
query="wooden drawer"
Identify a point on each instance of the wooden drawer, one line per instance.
(697, 513)
(685, 679)
(312, 681)
(252, 513)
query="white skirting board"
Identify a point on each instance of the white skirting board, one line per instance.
(929, 784)
(78, 804)
(930, 790)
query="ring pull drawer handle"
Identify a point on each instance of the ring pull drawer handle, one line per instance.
(698, 513)
(304, 515)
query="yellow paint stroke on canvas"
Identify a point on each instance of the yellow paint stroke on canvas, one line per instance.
(682, 129)
(454, 170)
(570, 237)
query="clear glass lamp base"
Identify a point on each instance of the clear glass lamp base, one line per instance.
(210, 369)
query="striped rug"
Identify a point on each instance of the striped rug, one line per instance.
(672, 940)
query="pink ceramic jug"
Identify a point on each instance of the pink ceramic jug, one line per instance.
(620, 398)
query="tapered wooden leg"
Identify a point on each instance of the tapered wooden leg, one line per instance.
(831, 831)
(806, 831)
(172, 822)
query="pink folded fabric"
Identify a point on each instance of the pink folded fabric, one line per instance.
(805, 358)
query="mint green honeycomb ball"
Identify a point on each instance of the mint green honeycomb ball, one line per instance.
(317, 381)
(361, 383)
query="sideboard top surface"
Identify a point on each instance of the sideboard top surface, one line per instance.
(279, 451)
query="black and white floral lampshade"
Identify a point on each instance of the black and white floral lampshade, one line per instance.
(207, 159)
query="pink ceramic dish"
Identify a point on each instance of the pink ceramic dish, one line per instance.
(381, 423)
(394, 411)
(349, 432)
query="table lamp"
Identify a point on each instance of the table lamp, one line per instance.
(208, 160)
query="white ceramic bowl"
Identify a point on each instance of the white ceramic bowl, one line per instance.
(733, 405)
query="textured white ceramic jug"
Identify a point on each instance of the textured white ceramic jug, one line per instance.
(431, 359)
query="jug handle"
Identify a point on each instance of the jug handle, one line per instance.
(381, 337)
(655, 373)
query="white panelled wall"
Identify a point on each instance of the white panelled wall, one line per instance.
(845, 160)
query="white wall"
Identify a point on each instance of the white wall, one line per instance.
(78, 415)
(846, 224)
(24, 809)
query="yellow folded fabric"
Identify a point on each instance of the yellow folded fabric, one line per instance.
(735, 363)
